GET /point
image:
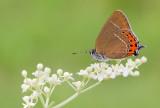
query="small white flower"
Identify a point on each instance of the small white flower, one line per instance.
(39, 66)
(93, 76)
(136, 73)
(60, 72)
(46, 89)
(89, 69)
(26, 98)
(47, 70)
(120, 69)
(28, 81)
(25, 105)
(36, 73)
(42, 75)
(24, 73)
(143, 59)
(28, 102)
(83, 73)
(68, 76)
(130, 63)
(96, 67)
(54, 80)
(125, 72)
(109, 70)
(104, 65)
(24, 87)
(113, 71)
(34, 82)
(101, 76)
(113, 75)
(77, 84)
(137, 61)
(35, 94)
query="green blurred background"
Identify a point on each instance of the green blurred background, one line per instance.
(48, 31)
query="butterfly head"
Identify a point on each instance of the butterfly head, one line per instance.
(140, 46)
(97, 56)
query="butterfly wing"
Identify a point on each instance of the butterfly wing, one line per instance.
(111, 40)
(120, 19)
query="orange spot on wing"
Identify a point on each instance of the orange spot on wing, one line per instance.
(133, 44)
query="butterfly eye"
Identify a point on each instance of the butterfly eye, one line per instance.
(92, 51)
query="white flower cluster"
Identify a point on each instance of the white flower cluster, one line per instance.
(101, 71)
(43, 83)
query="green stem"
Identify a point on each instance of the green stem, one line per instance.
(70, 84)
(51, 104)
(42, 100)
(66, 101)
(47, 102)
(52, 90)
(90, 87)
(87, 81)
(74, 96)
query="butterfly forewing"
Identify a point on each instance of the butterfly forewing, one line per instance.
(111, 41)
(120, 19)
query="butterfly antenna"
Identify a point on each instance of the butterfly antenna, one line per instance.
(80, 52)
(74, 53)
(140, 46)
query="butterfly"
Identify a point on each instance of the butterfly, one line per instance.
(116, 40)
